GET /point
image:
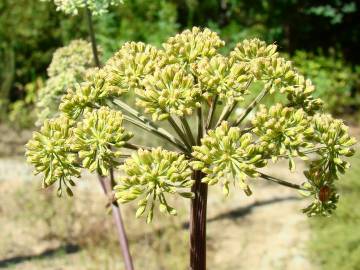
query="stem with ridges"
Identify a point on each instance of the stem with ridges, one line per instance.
(179, 132)
(158, 132)
(115, 208)
(211, 112)
(198, 223)
(252, 105)
(280, 182)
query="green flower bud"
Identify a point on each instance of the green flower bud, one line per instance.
(68, 67)
(335, 140)
(320, 186)
(191, 45)
(88, 95)
(219, 75)
(248, 50)
(128, 67)
(151, 176)
(226, 155)
(169, 90)
(282, 131)
(49, 152)
(97, 138)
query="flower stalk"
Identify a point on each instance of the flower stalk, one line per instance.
(108, 184)
(184, 78)
(198, 223)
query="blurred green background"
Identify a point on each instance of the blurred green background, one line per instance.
(322, 39)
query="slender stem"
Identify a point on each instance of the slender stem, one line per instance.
(158, 132)
(200, 126)
(107, 190)
(124, 244)
(228, 109)
(280, 182)
(92, 36)
(179, 132)
(148, 125)
(198, 223)
(306, 151)
(135, 146)
(187, 129)
(211, 112)
(252, 106)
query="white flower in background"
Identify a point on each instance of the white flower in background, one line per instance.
(97, 7)
(68, 67)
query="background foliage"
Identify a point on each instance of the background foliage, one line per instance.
(320, 36)
(317, 28)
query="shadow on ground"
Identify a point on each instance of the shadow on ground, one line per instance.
(64, 249)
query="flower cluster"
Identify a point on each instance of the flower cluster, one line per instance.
(50, 153)
(253, 49)
(97, 138)
(169, 91)
(97, 7)
(170, 83)
(219, 76)
(88, 95)
(277, 73)
(68, 67)
(333, 135)
(282, 131)
(226, 154)
(191, 45)
(128, 67)
(321, 187)
(334, 142)
(151, 175)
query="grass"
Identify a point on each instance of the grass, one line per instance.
(335, 242)
(41, 231)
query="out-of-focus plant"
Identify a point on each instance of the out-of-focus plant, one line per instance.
(97, 7)
(68, 67)
(189, 79)
(29, 33)
(341, 231)
(21, 112)
(332, 76)
(152, 24)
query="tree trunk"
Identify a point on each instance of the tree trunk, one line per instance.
(198, 224)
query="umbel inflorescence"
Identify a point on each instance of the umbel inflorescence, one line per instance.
(189, 79)
(97, 7)
(70, 65)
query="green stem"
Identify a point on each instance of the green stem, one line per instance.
(280, 182)
(135, 146)
(252, 105)
(305, 152)
(187, 129)
(92, 36)
(200, 126)
(211, 112)
(158, 132)
(179, 132)
(228, 109)
(122, 238)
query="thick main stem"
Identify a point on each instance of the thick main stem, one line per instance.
(198, 223)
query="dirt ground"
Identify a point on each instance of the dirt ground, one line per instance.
(264, 231)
